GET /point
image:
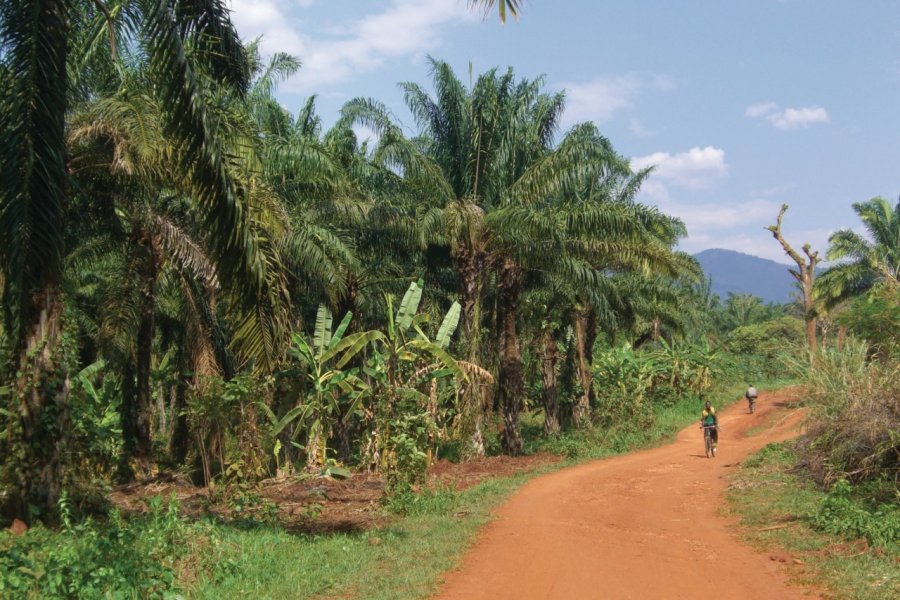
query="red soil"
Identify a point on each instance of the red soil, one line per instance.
(321, 504)
(645, 525)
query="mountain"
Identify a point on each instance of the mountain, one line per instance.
(741, 273)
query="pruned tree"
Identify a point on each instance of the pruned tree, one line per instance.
(805, 274)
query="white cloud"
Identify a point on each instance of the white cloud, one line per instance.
(405, 29)
(254, 18)
(798, 118)
(638, 128)
(789, 118)
(717, 216)
(759, 110)
(695, 169)
(599, 99)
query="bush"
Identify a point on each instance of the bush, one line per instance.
(119, 558)
(876, 318)
(854, 429)
(768, 338)
(844, 513)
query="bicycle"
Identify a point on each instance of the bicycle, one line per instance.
(708, 440)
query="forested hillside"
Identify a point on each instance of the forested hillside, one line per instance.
(738, 273)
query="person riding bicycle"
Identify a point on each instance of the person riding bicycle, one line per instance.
(709, 419)
(751, 394)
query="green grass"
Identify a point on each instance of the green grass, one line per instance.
(775, 506)
(400, 561)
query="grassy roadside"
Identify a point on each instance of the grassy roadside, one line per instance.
(405, 559)
(775, 506)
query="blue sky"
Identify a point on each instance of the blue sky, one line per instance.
(741, 104)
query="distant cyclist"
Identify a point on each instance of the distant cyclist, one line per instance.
(751, 396)
(708, 419)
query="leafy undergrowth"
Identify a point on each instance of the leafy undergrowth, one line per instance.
(140, 557)
(846, 540)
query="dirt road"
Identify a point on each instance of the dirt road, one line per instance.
(641, 526)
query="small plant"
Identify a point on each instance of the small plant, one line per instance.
(120, 558)
(843, 513)
(409, 461)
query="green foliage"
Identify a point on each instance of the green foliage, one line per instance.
(768, 338)
(854, 403)
(623, 377)
(246, 506)
(327, 391)
(438, 501)
(760, 351)
(115, 559)
(627, 378)
(874, 259)
(217, 413)
(876, 319)
(843, 513)
(409, 439)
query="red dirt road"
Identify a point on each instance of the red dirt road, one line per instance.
(644, 525)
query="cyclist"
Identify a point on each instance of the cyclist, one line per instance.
(751, 396)
(709, 419)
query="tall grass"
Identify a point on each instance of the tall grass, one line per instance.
(854, 427)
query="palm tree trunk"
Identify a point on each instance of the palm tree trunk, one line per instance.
(582, 410)
(511, 372)
(143, 451)
(590, 338)
(43, 387)
(128, 420)
(549, 358)
(470, 265)
(178, 443)
(34, 197)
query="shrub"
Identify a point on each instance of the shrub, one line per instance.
(118, 558)
(844, 513)
(854, 429)
(768, 338)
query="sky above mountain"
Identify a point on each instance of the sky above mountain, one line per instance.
(742, 105)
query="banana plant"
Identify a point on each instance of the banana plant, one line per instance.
(328, 385)
(405, 368)
(676, 362)
(706, 362)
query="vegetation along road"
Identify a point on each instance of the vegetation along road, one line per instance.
(645, 525)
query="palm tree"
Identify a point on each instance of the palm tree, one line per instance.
(871, 263)
(503, 7)
(485, 156)
(498, 190)
(35, 39)
(743, 309)
(628, 247)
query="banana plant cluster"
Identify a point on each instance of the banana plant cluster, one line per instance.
(378, 377)
(629, 380)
